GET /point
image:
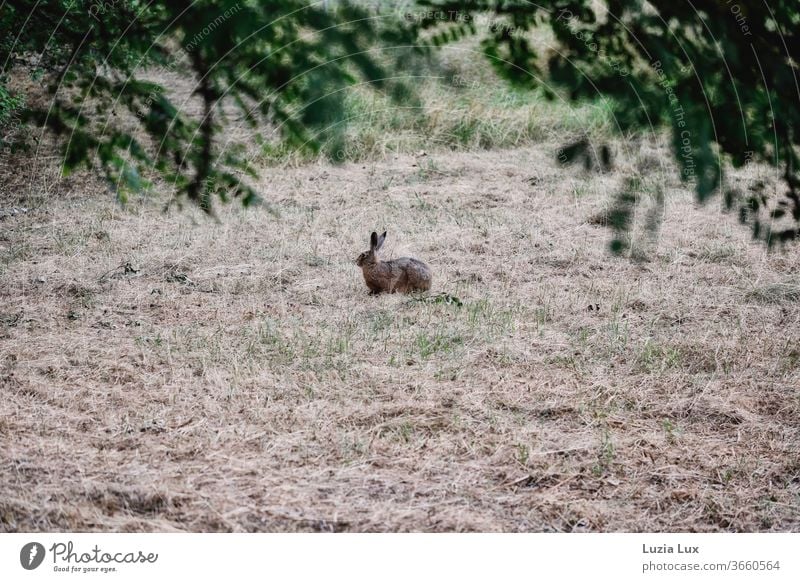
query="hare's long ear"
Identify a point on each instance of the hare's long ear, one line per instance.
(380, 241)
(373, 242)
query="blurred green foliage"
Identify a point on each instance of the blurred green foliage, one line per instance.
(280, 63)
(722, 74)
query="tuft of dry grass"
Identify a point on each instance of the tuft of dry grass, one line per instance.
(166, 373)
(780, 292)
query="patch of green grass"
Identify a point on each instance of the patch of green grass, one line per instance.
(500, 356)
(791, 359)
(655, 358)
(606, 453)
(406, 431)
(465, 132)
(421, 204)
(13, 253)
(582, 337)
(569, 362)
(428, 169)
(439, 342)
(523, 454)
(381, 321)
(542, 316)
(483, 113)
(439, 298)
(449, 374)
(268, 341)
(149, 341)
(341, 340)
(581, 190)
(671, 430)
(483, 316)
(618, 334)
(353, 448)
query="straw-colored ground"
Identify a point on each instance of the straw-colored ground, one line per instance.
(163, 372)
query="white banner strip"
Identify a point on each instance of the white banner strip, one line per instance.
(371, 557)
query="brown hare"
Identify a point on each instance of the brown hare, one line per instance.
(404, 274)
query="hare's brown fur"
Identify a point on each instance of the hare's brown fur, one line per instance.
(404, 274)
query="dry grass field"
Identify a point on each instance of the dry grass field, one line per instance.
(163, 372)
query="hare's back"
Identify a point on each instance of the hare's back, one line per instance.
(417, 273)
